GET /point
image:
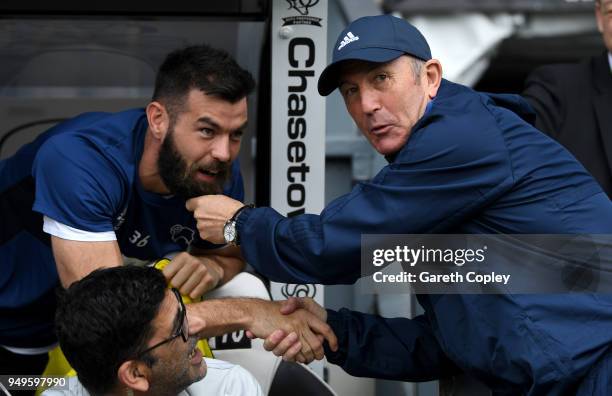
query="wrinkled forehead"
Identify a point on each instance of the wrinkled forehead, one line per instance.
(353, 66)
(223, 113)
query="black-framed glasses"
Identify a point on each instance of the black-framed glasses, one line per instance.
(182, 331)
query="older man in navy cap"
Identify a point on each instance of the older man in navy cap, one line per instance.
(459, 162)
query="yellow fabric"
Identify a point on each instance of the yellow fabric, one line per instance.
(202, 343)
(58, 365)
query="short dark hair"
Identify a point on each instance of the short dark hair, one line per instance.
(105, 319)
(211, 70)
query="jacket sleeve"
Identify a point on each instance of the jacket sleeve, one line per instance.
(439, 179)
(391, 348)
(544, 93)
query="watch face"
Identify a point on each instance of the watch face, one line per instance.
(229, 232)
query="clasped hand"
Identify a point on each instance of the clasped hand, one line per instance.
(300, 329)
(193, 275)
(211, 212)
(294, 329)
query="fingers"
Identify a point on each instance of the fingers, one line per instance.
(312, 344)
(290, 305)
(281, 332)
(326, 331)
(293, 354)
(190, 275)
(204, 286)
(172, 268)
(307, 349)
(198, 204)
(274, 339)
(315, 347)
(311, 305)
(203, 219)
(204, 229)
(312, 336)
(313, 332)
(211, 212)
(288, 346)
(192, 204)
(193, 279)
(307, 303)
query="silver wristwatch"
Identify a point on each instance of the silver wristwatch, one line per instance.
(230, 233)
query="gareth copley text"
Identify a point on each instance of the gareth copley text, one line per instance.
(426, 277)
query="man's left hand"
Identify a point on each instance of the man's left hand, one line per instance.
(308, 329)
(281, 343)
(193, 275)
(211, 212)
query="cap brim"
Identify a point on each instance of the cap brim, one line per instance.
(328, 81)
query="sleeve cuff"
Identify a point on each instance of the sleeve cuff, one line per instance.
(337, 322)
(243, 218)
(64, 231)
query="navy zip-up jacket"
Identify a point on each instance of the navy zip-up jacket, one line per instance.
(470, 165)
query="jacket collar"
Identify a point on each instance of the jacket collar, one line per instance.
(602, 75)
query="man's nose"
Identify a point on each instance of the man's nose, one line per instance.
(221, 149)
(370, 101)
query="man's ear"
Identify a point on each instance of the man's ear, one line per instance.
(135, 375)
(158, 119)
(433, 75)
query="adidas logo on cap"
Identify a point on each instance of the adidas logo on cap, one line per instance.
(349, 38)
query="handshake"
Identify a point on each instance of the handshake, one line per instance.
(294, 329)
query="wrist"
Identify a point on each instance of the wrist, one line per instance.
(223, 315)
(218, 270)
(230, 231)
(249, 313)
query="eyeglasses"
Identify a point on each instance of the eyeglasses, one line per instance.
(182, 331)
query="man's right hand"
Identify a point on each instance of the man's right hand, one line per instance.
(292, 331)
(287, 345)
(193, 275)
(306, 331)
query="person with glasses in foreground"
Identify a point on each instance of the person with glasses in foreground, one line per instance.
(123, 332)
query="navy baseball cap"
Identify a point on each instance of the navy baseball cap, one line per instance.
(380, 38)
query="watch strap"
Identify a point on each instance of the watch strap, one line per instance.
(234, 218)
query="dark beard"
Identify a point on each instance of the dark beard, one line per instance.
(171, 377)
(180, 180)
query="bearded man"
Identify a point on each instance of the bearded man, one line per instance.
(101, 187)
